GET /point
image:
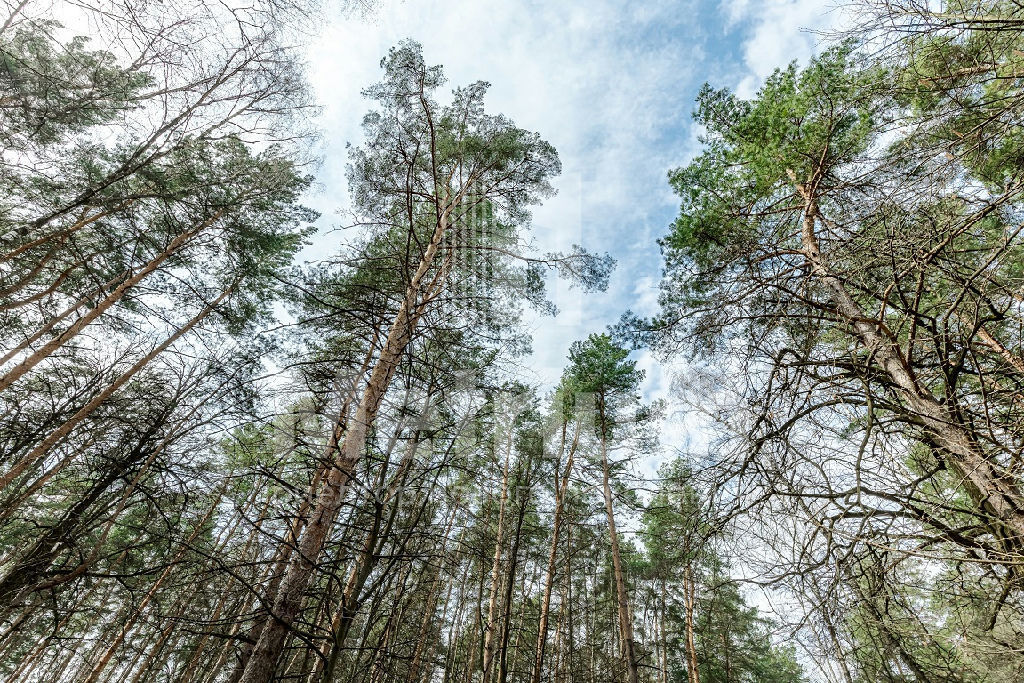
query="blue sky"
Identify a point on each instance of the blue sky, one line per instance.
(610, 83)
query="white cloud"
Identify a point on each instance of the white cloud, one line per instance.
(609, 83)
(782, 31)
(581, 75)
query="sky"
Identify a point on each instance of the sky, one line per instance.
(610, 83)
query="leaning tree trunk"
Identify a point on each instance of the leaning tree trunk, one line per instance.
(689, 598)
(33, 359)
(431, 603)
(137, 613)
(491, 624)
(364, 564)
(58, 434)
(509, 589)
(344, 451)
(993, 490)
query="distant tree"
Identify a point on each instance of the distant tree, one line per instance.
(599, 371)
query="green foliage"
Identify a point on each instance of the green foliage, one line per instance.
(802, 126)
(963, 83)
(878, 187)
(52, 90)
(599, 370)
(733, 641)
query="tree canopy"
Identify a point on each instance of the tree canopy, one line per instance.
(221, 464)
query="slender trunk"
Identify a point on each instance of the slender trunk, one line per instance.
(559, 650)
(282, 557)
(664, 635)
(64, 233)
(365, 562)
(56, 435)
(839, 653)
(509, 589)
(429, 607)
(28, 662)
(26, 279)
(197, 652)
(55, 320)
(451, 655)
(726, 647)
(136, 614)
(434, 642)
(345, 452)
(571, 642)
(689, 595)
(560, 487)
(994, 491)
(10, 506)
(145, 667)
(622, 597)
(492, 606)
(476, 647)
(995, 345)
(15, 373)
(29, 569)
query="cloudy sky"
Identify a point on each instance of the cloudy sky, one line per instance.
(611, 83)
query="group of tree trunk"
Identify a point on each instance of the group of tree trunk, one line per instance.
(217, 464)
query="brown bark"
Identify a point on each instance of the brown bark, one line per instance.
(560, 488)
(55, 320)
(344, 451)
(15, 373)
(689, 595)
(276, 570)
(662, 633)
(453, 635)
(571, 631)
(995, 492)
(509, 589)
(152, 658)
(26, 279)
(29, 661)
(431, 605)
(56, 435)
(365, 561)
(63, 233)
(492, 605)
(283, 555)
(622, 596)
(27, 571)
(1015, 361)
(136, 614)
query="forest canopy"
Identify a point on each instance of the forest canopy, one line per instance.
(224, 460)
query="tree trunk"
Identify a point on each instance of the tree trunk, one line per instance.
(492, 606)
(663, 635)
(129, 621)
(560, 487)
(509, 590)
(569, 601)
(56, 435)
(64, 337)
(431, 604)
(344, 451)
(689, 595)
(994, 491)
(366, 561)
(622, 597)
